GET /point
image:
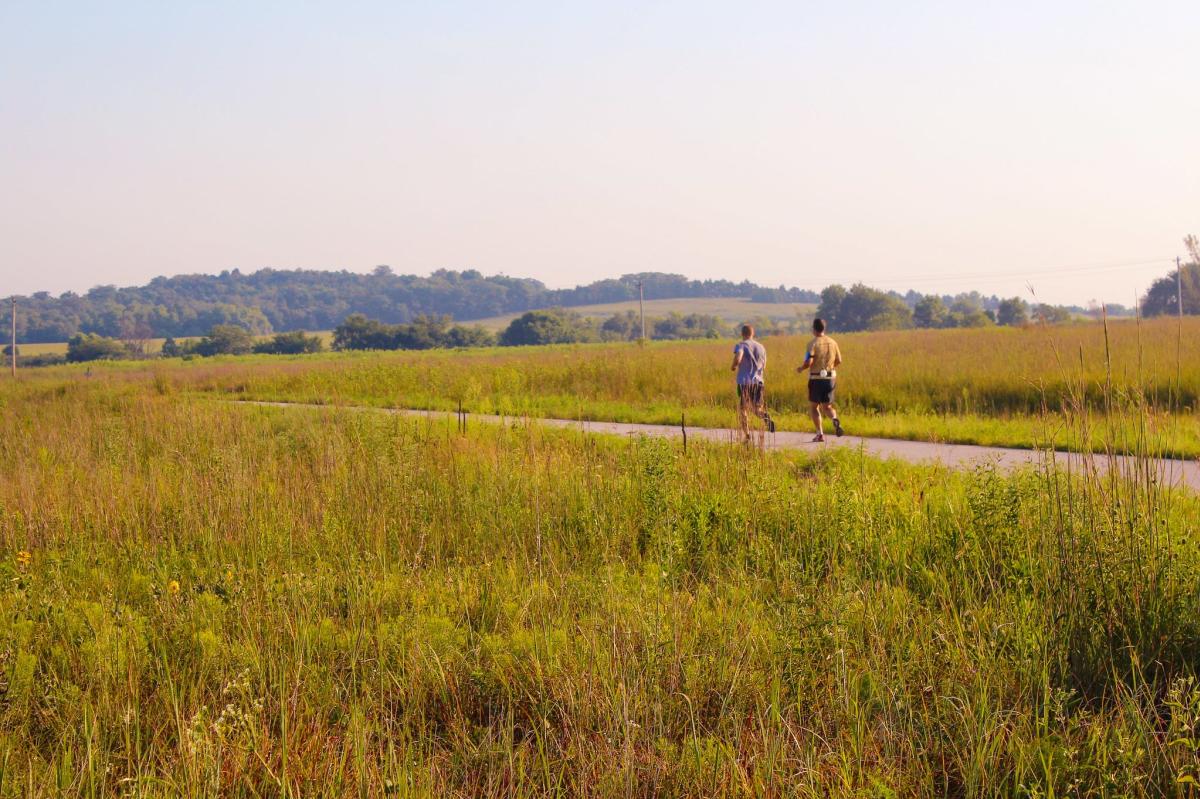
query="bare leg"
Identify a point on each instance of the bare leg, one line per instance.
(815, 413)
(744, 416)
(831, 412)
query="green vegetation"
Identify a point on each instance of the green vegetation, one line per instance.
(90, 347)
(1163, 296)
(426, 332)
(296, 342)
(271, 300)
(985, 385)
(733, 310)
(203, 598)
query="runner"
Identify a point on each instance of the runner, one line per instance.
(821, 360)
(749, 361)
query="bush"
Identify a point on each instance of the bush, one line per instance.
(225, 340)
(1051, 314)
(43, 359)
(554, 326)
(693, 325)
(474, 336)
(295, 342)
(358, 332)
(91, 347)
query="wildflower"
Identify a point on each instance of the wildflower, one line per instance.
(229, 575)
(23, 558)
(173, 587)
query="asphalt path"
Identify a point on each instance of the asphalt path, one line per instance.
(958, 456)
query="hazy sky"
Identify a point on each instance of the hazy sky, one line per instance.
(933, 145)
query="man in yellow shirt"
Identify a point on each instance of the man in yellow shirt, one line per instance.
(821, 360)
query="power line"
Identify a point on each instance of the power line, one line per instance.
(1099, 267)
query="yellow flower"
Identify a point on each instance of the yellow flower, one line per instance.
(173, 587)
(23, 558)
(229, 575)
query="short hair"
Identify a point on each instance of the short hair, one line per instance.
(818, 325)
(747, 330)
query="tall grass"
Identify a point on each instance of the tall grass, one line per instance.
(989, 386)
(234, 600)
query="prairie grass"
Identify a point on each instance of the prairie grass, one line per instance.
(208, 599)
(996, 386)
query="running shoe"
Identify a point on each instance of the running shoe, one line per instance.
(837, 427)
(770, 424)
(818, 438)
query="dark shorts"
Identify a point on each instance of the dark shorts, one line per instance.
(751, 394)
(821, 391)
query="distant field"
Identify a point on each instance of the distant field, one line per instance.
(732, 309)
(60, 347)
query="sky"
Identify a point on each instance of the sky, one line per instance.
(941, 146)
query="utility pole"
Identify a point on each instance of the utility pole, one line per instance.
(1179, 284)
(13, 340)
(642, 307)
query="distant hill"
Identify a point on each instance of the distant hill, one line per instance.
(278, 300)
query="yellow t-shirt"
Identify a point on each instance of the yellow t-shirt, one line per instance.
(824, 353)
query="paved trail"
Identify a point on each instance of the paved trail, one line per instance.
(1173, 472)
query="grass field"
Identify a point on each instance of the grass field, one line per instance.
(988, 386)
(202, 599)
(734, 310)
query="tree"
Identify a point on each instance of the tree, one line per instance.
(930, 311)
(830, 308)
(624, 326)
(225, 340)
(1013, 312)
(135, 333)
(695, 325)
(555, 326)
(424, 333)
(864, 308)
(1051, 314)
(357, 332)
(469, 336)
(90, 347)
(1163, 296)
(270, 300)
(296, 342)
(966, 312)
(173, 349)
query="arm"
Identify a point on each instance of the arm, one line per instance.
(737, 358)
(837, 357)
(807, 362)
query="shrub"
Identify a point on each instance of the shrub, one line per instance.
(296, 342)
(91, 347)
(554, 326)
(225, 340)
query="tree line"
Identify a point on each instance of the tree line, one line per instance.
(278, 300)
(358, 332)
(863, 308)
(272, 300)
